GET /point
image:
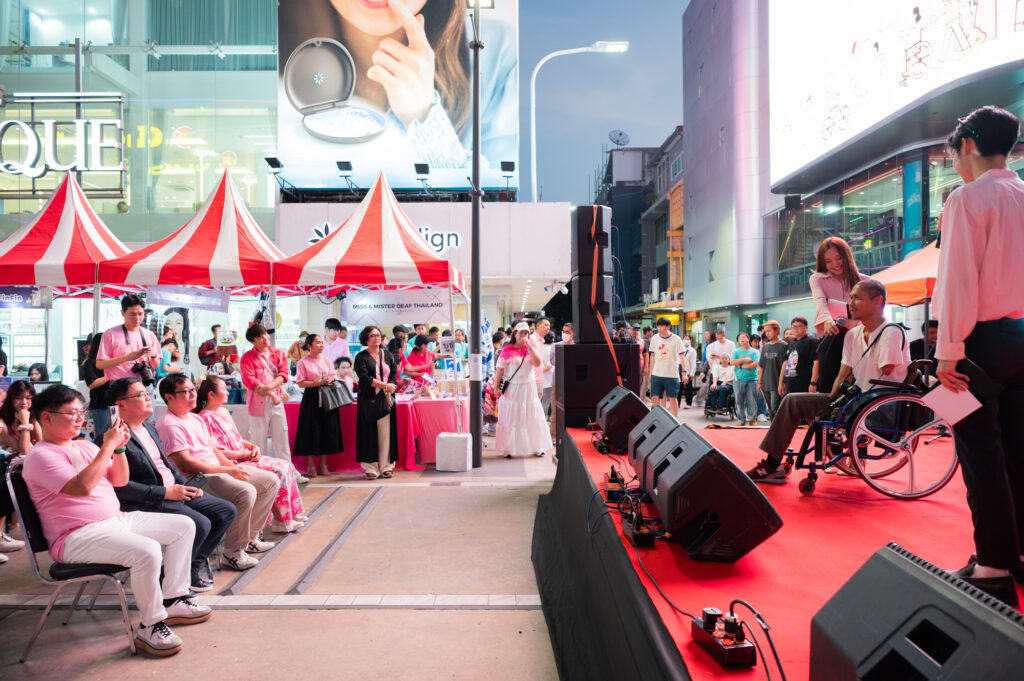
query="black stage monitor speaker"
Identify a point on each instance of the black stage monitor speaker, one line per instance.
(582, 244)
(586, 324)
(792, 202)
(900, 617)
(584, 374)
(647, 435)
(618, 413)
(708, 504)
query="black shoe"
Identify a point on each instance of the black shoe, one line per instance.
(764, 473)
(1002, 588)
(1016, 573)
(201, 584)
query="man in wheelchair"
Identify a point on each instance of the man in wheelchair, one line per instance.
(875, 350)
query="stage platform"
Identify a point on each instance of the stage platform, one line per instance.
(607, 619)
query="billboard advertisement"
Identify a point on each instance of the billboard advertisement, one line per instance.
(370, 86)
(836, 73)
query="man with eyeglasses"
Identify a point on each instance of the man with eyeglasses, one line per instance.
(155, 484)
(252, 491)
(72, 485)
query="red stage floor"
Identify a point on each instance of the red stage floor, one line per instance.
(825, 538)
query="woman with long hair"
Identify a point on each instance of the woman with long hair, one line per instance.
(376, 424)
(288, 512)
(18, 432)
(835, 274)
(318, 433)
(412, 61)
(97, 382)
(522, 428)
(38, 373)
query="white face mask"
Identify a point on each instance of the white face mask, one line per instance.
(566, 337)
(686, 343)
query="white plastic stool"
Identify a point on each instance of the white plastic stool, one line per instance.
(454, 452)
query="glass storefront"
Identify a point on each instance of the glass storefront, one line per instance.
(879, 212)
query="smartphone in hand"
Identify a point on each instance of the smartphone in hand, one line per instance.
(114, 413)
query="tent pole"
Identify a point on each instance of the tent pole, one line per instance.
(96, 302)
(927, 318)
(458, 375)
(476, 382)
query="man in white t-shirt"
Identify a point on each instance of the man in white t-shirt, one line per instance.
(663, 367)
(874, 350)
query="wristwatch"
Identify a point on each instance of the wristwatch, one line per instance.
(814, 383)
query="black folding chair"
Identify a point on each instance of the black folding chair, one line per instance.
(61, 574)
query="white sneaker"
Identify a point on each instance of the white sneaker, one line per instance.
(3, 559)
(239, 560)
(257, 545)
(9, 543)
(300, 479)
(285, 528)
(761, 418)
(186, 611)
(157, 639)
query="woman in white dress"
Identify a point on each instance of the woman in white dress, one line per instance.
(522, 428)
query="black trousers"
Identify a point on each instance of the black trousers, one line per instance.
(686, 391)
(830, 357)
(212, 516)
(989, 445)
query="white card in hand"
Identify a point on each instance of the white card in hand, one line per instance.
(952, 406)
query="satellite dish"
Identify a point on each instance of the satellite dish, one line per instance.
(619, 138)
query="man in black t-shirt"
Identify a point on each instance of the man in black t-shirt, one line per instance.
(796, 372)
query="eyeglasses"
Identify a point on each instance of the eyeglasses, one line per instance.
(374, 335)
(190, 391)
(132, 397)
(76, 414)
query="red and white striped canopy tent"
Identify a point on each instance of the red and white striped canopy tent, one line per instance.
(61, 245)
(378, 246)
(220, 246)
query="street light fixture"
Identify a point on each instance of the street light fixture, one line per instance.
(602, 46)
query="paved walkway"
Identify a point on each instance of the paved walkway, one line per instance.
(425, 576)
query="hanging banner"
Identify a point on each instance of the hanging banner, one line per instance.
(187, 296)
(26, 296)
(388, 308)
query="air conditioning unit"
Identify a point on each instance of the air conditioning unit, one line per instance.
(678, 295)
(664, 296)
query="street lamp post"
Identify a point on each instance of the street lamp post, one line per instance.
(605, 46)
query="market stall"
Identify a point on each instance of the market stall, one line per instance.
(377, 247)
(912, 280)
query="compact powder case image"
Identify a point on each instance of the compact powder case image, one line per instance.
(319, 79)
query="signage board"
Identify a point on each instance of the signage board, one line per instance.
(352, 106)
(388, 308)
(839, 72)
(214, 300)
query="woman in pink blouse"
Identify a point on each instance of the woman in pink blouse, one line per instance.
(318, 433)
(835, 274)
(288, 511)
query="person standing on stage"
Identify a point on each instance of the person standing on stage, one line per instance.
(835, 274)
(264, 370)
(127, 349)
(980, 308)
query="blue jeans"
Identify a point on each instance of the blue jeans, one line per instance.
(746, 403)
(719, 397)
(100, 421)
(664, 387)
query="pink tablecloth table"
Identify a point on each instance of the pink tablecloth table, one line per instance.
(435, 417)
(408, 429)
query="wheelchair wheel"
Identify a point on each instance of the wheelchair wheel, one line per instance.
(902, 448)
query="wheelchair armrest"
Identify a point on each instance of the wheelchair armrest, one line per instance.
(894, 384)
(918, 363)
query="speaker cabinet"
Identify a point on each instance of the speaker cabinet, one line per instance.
(582, 244)
(793, 202)
(586, 324)
(708, 504)
(900, 617)
(584, 374)
(618, 413)
(647, 435)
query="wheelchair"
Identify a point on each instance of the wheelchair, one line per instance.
(729, 408)
(887, 436)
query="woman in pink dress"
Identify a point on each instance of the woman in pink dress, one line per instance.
(318, 433)
(288, 511)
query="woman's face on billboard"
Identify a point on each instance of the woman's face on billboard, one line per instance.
(375, 17)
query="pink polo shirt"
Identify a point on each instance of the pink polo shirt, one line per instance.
(310, 369)
(47, 469)
(191, 433)
(112, 344)
(980, 276)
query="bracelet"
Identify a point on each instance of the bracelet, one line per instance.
(24, 426)
(120, 451)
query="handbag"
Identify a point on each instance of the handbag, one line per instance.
(335, 396)
(505, 382)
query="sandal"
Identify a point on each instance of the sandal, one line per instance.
(371, 476)
(386, 474)
(311, 474)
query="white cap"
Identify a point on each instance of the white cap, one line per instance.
(521, 326)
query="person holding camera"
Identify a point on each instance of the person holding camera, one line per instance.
(129, 349)
(522, 428)
(874, 350)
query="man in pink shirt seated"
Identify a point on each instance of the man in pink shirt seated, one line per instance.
(125, 349)
(72, 486)
(187, 441)
(264, 370)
